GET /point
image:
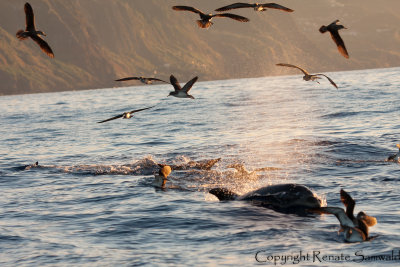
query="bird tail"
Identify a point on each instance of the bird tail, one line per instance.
(203, 24)
(323, 29)
(20, 35)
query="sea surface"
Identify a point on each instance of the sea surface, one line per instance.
(91, 200)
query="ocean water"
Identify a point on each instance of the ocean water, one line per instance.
(91, 201)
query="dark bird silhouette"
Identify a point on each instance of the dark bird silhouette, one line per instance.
(205, 20)
(256, 6)
(307, 76)
(125, 115)
(30, 31)
(142, 79)
(179, 91)
(333, 29)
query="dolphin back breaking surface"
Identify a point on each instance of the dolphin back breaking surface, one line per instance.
(281, 197)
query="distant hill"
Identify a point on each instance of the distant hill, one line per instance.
(97, 41)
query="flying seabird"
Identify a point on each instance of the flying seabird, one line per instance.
(125, 115)
(395, 157)
(355, 228)
(307, 76)
(205, 20)
(256, 6)
(333, 29)
(142, 79)
(179, 91)
(30, 31)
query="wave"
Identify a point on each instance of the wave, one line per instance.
(340, 115)
(13, 238)
(187, 174)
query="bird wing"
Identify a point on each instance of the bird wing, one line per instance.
(348, 202)
(175, 83)
(276, 6)
(137, 110)
(29, 18)
(232, 16)
(346, 199)
(113, 118)
(339, 42)
(155, 79)
(338, 212)
(186, 88)
(329, 79)
(127, 79)
(233, 6)
(293, 66)
(187, 8)
(43, 45)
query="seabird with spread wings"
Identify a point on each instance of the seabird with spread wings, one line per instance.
(125, 115)
(205, 20)
(256, 6)
(30, 31)
(333, 29)
(181, 92)
(142, 79)
(307, 76)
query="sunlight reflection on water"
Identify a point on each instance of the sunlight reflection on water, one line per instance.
(93, 202)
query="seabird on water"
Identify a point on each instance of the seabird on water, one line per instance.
(333, 29)
(355, 228)
(205, 20)
(142, 79)
(181, 92)
(307, 76)
(350, 203)
(125, 115)
(30, 31)
(161, 178)
(256, 6)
